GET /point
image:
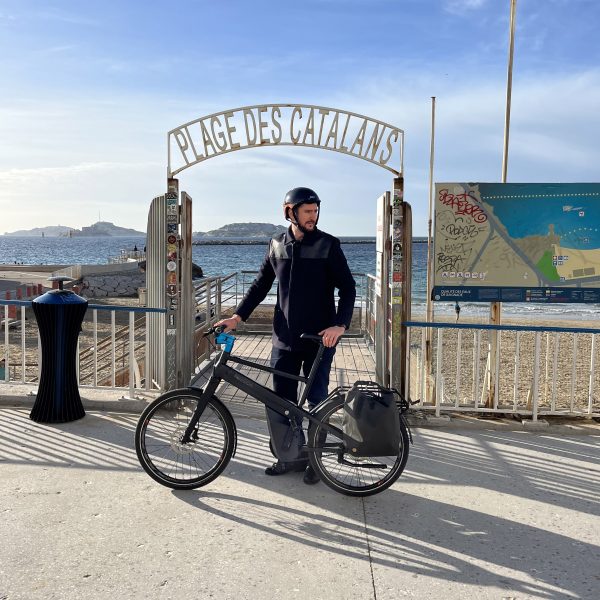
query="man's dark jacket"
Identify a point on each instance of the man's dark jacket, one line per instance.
(307, 271)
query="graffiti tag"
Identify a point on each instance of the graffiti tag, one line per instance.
(448, 262)
(462, 204)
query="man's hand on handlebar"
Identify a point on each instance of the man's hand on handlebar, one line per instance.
(230, 323)
(331, 335)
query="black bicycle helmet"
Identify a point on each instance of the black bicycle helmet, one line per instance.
(295, 198)
(301, 195)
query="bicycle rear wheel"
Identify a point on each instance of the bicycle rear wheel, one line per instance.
(347, 474)
(178, 465)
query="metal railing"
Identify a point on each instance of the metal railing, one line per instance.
(539, 370)
(112, 346)
(370, 321)
(211, 294)
(214, 295)
(128, 256)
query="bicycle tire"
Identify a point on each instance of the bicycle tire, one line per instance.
(355, 479)
(184, 466)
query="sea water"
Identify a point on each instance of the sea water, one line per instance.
(226, 259)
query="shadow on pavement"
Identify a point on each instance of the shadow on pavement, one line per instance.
(480, 508)
(436, 537)
(98, 441)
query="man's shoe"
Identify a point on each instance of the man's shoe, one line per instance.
(310, 477)
(280, 467)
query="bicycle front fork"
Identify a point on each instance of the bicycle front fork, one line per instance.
(190, 433)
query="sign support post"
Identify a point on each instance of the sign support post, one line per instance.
(399, 297)
(496, 307)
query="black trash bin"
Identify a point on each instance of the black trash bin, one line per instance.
(59, 314)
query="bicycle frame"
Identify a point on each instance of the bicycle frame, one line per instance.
(223, 372)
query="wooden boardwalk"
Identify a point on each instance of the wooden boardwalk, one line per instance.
(352, 361)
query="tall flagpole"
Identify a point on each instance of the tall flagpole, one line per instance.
(496, 307)
(511, 49)
(429, 304)
(429, 223)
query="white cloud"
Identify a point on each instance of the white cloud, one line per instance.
(460, 7)
(28, 176)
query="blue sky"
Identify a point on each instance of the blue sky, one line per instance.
(90, 89)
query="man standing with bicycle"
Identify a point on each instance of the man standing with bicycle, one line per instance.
(309, 265)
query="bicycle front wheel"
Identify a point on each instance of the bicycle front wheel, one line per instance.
(343, 472)
(189, 465)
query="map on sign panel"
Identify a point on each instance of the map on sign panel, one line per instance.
(530, 242)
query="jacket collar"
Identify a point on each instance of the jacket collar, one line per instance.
(308, 239)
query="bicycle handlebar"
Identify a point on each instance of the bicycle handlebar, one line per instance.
(217, 329)
(311, 336)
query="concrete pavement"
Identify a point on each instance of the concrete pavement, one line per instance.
(479, 513)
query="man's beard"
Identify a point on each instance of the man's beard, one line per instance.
(305, 229)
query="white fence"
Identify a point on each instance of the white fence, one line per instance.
(211, 294)
(538, 371)
(112, 347)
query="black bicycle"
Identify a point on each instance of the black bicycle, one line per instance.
(186, 437)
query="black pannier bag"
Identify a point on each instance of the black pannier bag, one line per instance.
(371, 422)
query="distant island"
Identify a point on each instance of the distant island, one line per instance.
(245, 234)
(233, 233)
(99, 229)
(50, 231)
(246, 231)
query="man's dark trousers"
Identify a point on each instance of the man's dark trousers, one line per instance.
(292, 362)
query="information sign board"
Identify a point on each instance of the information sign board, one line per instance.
(517, 242)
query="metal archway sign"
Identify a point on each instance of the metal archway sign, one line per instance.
(267, 125)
